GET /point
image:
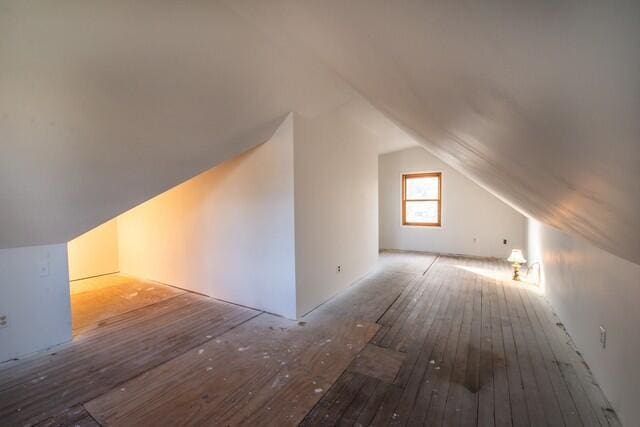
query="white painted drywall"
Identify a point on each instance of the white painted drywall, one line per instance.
(34, 295)
(95, 252)
(95, 125)
(536, 101)
(336, 205)
(589, 287)
(468, 212)
(227, 233)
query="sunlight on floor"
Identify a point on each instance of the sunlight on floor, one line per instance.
(503, 276)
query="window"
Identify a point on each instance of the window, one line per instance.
(422, 199)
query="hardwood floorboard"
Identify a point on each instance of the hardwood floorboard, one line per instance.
(320, 412)
(496, 356)
(378, 362)
(269, 362)
(438, 364)
(457, 390)
(439, 380)
(373, 404)
(547, 400)
(533, 395)
(121, 348)
(350, 416)
(501, 395)
(101, 302)
(74, 416)
(519, 410)
(486, 394)
(590, 401)
(424, 340)
(549, 370)
(423, 349)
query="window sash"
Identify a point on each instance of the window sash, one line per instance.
(408, 177)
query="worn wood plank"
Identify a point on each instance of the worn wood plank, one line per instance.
(112, 354)
(320, 411)
(486, 393)
(74, 416)
(547, 394)
(368, 299)
(519, 411)
(458, 393)
(553, 377)
(406, 262)
(438, 365)
(437, 384)
(274, 369)
(378, 362)
(501, 395)
(423, 349)
(350, 415)
(498, 359)
(590, 402)
(91, 306)
(533, 396)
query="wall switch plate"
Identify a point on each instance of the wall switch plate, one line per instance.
(43, 264)
(603, 336)
(475, 240)
(504, 241)
(3, 321)
(43, 268)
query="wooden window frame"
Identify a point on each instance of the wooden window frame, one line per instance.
(404, 198)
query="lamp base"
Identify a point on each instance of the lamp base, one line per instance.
(516, 271)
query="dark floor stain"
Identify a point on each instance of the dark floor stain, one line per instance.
(479, 366)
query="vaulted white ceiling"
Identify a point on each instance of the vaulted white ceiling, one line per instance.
(538, 101)
(105, 105)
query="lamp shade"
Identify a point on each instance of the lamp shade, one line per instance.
(516, 257)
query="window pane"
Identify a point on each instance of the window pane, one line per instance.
(422, 188)
(422, 212)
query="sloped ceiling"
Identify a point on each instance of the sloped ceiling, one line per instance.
(105, 105)
(539, 101)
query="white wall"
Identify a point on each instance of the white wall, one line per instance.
(95, 252)
(34, 295)
(227, 233)
(336, 205)
(468, 212)
(537, 101)
(589, 287)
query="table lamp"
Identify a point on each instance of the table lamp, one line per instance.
(516, 259)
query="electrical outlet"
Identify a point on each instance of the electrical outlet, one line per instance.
(504, 241)
(3, 321)
(339, 268)
(603, 336)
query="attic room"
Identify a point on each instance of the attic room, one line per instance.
(319, 213)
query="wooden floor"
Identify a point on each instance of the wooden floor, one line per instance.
(424, 340)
